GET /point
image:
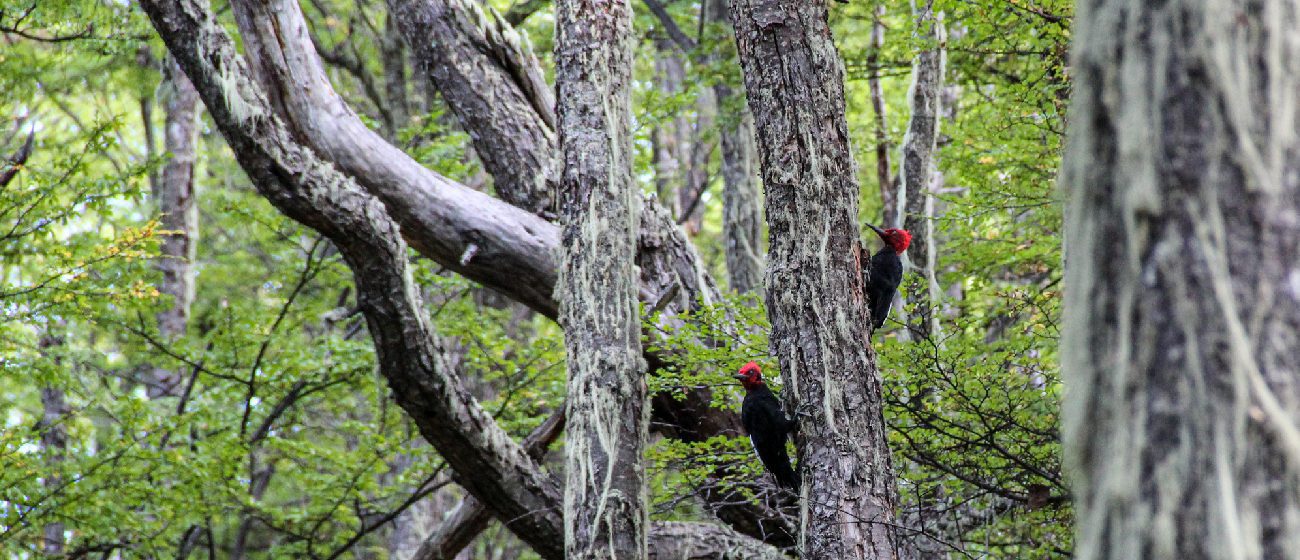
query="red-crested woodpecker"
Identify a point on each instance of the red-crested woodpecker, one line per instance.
(767, 426)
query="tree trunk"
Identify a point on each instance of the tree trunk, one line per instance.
(915, 201)
(1182, 306)
(667, 260)
(742, 218)
(180, 216)
(884, 172)
(393, 51)
(605, 497)
(668, 139)
(820, 324)
(491, 81)
(54, 438)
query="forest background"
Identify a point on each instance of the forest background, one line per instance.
(186, 371)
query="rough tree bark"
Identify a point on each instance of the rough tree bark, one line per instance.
(494, 85)
(820, 320)
(1182, 298)
(915, 201)
(485, 460)
(177, 203)
(742, 218)
(605, 495)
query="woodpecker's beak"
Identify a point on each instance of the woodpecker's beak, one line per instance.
(741, 376)
(878, 231)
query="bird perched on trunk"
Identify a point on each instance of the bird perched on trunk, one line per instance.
(767, 426)
(886, 272)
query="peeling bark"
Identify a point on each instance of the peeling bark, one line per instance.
(916, 175)
(605, 495)
(1182, 298)
(742, 218)
(177, 204)
(491, 80)
(820, 320)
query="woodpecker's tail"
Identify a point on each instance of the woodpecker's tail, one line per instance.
(785, 476)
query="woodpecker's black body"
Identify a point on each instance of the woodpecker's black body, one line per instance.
(885, 273)
(767, 426)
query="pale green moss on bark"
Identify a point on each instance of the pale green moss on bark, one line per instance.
(605, 499)
(1183, 224)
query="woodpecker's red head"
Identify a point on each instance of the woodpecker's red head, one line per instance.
(898, 239)
(750, 375)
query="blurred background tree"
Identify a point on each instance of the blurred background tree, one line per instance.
(277, 437)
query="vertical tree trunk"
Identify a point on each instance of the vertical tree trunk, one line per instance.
(54, 443)
(742, 218)
(884, 172)
(605, 514)
(696, 178)
(668, 140)
(820, 327)
(915, 201)
(393, 51)
(1182, 308)
(180, 215)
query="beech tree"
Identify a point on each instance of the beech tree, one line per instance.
(1182, 294)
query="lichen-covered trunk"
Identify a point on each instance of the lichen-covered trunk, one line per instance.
(915, 200)
(820, 325)
(1182, 304)
(742, 204)
(605, 497)
(485, 239)
(177, 205)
